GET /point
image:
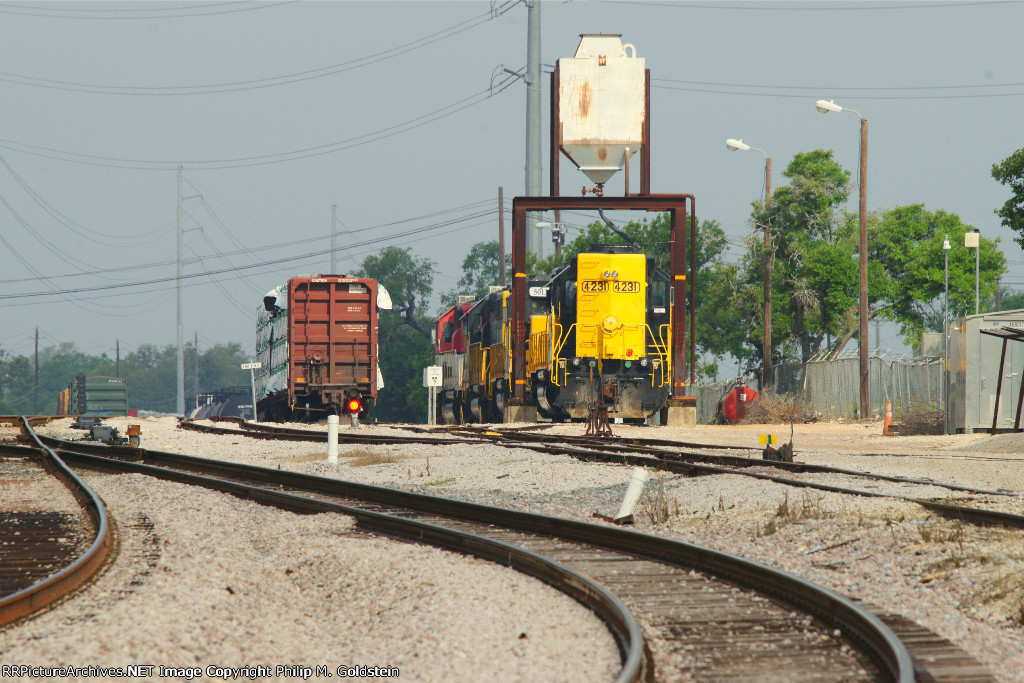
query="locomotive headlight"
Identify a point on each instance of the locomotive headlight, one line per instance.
(607, 273)
(615, 273)
(575, 362)
(643, 362)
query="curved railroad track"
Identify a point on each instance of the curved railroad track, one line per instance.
(42, 553)
(654, 454)
(704, 613)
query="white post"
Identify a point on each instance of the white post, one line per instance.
(636, 488)
(252, 383)
(332, 439)
(252, 368)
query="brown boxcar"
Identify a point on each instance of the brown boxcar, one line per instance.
(332, 348)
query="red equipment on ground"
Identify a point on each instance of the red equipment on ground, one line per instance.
(733, 406)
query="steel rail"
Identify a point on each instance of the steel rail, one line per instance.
(631, 445)
(514, 438)
(976, 516)
(620, 621)
(860, 625)
(272, 432)
(42, 593)
(683, 463)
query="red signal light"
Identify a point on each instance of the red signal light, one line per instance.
(354, 405)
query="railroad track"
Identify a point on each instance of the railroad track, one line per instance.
(697, 607)
(45, 555)
(654, 453)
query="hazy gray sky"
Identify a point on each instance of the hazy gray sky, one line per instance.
(279, 110)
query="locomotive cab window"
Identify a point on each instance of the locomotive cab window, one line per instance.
(447, 333)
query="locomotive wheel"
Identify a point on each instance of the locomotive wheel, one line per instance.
(476, 409)
(448, 412)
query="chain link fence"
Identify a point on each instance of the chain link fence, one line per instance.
(831, 388)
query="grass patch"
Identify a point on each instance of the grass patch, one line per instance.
(440, 482)
(920, 418)
(809, 507)
(770, 408)
(364, 458)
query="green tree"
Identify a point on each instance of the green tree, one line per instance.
(480, 269)
(409, 280)
(813, 254)
(906, 245)
(404, 342)
(1009, 300)
(1010, 172)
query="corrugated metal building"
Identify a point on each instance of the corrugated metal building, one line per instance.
(974, 360)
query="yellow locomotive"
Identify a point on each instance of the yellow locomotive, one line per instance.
(605, 339)
(599, 335)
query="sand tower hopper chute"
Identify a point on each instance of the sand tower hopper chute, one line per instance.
(602, 105)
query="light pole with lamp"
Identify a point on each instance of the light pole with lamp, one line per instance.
(766, 350)
(826, 106)
(945, 336)
(972, 240)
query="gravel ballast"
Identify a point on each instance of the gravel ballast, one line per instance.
(964, 583)
(203, 579)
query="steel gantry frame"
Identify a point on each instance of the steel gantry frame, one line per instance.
(682, 214)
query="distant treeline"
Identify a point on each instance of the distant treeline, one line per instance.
(150, 372)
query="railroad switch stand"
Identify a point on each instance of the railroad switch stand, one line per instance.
(597, 422)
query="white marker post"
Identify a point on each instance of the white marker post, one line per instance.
(332, 439)
(252, 368)
(636, 488)
(432, 379)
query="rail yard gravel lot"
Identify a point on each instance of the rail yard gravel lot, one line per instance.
(962, 582)
(206, 579)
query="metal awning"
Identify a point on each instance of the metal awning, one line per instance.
(1011, 333)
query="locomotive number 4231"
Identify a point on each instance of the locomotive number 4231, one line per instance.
(618, 287)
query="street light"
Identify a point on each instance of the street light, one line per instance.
(945, 336)
(826, 106)
(733, 145)
(972, 240)
(557, 235)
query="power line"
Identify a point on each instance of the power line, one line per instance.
(147, 13)
(278, 261)
(859, 96)
(256, 83)
(832, 88)
(169, 289)
(75, 227)
(264, 159)
(811, 7)
(270, 247)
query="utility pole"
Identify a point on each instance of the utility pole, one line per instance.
(766, 346)
(534, 244)
(501, 234)
(196, 348)
(180, 403)
(35, 398)
(334, 222)
(117, 356)
(865, 383)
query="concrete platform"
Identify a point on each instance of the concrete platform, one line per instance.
(520, 414)
(680, 412)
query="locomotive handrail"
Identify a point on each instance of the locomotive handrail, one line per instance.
(558, 354)
(664, 350)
